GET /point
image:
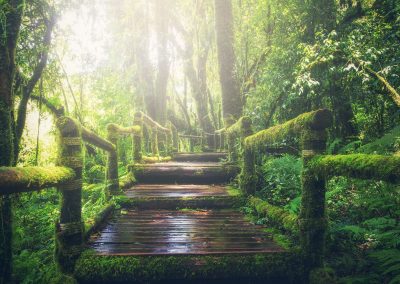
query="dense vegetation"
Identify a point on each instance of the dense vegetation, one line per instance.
(201, 65)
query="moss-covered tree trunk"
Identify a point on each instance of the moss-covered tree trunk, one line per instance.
(27, 88)
(232, 103)
(162, 24)
(145, 68)
(70, 228)
(12, 11)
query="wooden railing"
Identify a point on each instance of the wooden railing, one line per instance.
(306, 136)
(168, 136)
(67, 177)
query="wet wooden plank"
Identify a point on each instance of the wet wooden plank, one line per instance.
(201, 157)
(158, 232)
(175, 191)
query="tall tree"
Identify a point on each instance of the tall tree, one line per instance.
(25, 85)
(197, 78)
(161, 10)
(232, 102)
(9, 31)
(145, 68)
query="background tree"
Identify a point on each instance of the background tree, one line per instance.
(231, 99)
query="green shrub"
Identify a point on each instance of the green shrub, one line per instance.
(280, 179)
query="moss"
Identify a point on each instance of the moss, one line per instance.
(99, 220)
(276, 215)
(13, 180)
(232, 191)
(156, 159)
(248, 177)
(127, 180)
(363, 166)
(315, 120)
(239, 130)
(278, 267)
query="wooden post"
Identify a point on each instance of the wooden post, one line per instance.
(248, 177)
(112, 181)
(312, 219)
(175, 138)
(154, 142)
(137, 140)
(222, 141)
(232, 151)
(70, 229)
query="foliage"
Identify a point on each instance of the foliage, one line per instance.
(280, 179)
(35, 216)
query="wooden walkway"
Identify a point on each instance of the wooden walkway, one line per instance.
(157, 231)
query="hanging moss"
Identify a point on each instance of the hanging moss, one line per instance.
(362, 166)
(315, 120)
(15, 180)
(276, 215)
(274, 267)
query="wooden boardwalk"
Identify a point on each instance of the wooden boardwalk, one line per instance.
(197, 231)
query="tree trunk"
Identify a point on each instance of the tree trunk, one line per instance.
(232, 103)
(10, 29)
(162, 23)
(145, 68)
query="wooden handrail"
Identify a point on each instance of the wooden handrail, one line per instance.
(315, 120)
(151, 123)
(26, 179)
(94, 139)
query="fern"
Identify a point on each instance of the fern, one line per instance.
(389, 263)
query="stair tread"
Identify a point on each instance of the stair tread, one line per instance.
(160, 232)
(175, 191)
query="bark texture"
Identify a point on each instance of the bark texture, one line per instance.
(232, 103)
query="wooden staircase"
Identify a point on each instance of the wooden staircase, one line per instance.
(181, 223)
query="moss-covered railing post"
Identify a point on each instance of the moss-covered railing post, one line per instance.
(175, 137)
(154, 142)
(312, 218)
(239, 130)
(112, 184)
(248, 177)
(70, 229)
(137, 139)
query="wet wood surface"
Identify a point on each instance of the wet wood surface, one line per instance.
(200, 157)
(175, 191)
(160, 232)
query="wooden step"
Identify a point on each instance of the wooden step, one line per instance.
(172, 196)
(200, 157)
(177, 172)
(171, 232)
(177, 246)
